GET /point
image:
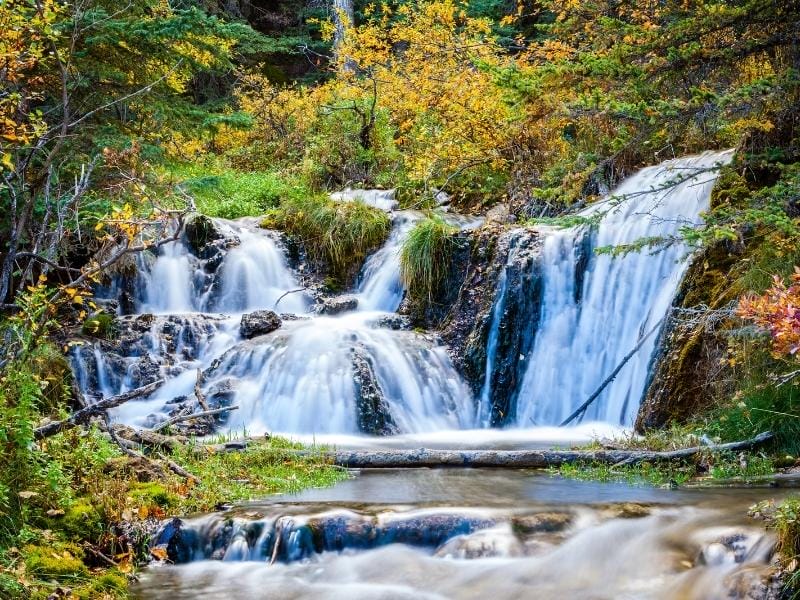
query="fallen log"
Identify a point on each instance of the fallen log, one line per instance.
(83, 415)
(518, 459)
(148, 438)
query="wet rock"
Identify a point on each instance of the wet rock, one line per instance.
(200, 231)
(337, 305)
(260, 322)
(395, 322)
(501, 294)
(373, 413)
(550, 522)
(221, 393)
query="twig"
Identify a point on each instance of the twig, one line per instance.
(282, 296)
(582, 408)
(180, 418)
(179, 470)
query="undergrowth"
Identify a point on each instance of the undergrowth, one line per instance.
(75, 512)
(229, 194)
(339, 235)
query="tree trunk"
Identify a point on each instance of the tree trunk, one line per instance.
(343, 18)
(519, 459)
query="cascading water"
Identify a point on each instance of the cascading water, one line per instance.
(310, 376)
(381, 287)
(595, 308)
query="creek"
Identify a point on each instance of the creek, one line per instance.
(562, 312)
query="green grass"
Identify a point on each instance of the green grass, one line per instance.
(425, 256)
(716, 466)
(222, 192)
(264, 468)
(338, 234)
(784, 519)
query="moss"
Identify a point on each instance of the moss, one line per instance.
(100, 325)
(154, 494)
(112, 583)
(80, 521)
(56, 560)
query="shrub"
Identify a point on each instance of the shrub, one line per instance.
(425, 256)
(337, 234)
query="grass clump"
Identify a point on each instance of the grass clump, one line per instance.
(425, 256)
(784, 519)
(338, 235)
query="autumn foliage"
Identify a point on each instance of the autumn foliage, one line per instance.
(778, 312)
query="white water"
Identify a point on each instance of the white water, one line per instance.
(580, 342)
(252, 276)
(381, 287)
(299, 379)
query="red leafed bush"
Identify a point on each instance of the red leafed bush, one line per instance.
(778, 312)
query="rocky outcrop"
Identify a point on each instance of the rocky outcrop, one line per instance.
(686, 368)
(373, 416)
(260, 322)
(495, 314)
(129, 358)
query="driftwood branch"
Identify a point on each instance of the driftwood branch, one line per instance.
(582, 408)
(519, 459)
(198, 390)
(181, 418)
(98, 408)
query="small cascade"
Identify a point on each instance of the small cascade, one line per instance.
(345, 374)
(302, 379)
(381, 287)
(595, 307)
(252, 275)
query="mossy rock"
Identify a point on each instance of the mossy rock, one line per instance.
(154, 494)
(80, 521)
(55, 560)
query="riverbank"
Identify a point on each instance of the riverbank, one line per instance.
(93, 544)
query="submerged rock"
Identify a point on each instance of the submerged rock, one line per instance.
(260, 322)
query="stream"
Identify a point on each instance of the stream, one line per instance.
(458, 533)
(349, 370)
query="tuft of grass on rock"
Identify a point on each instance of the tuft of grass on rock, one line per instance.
(425, 256)
(336, 234)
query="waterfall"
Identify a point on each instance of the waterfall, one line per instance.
(595, 307)
(381, 287)
(301, 380)
(341, 374)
